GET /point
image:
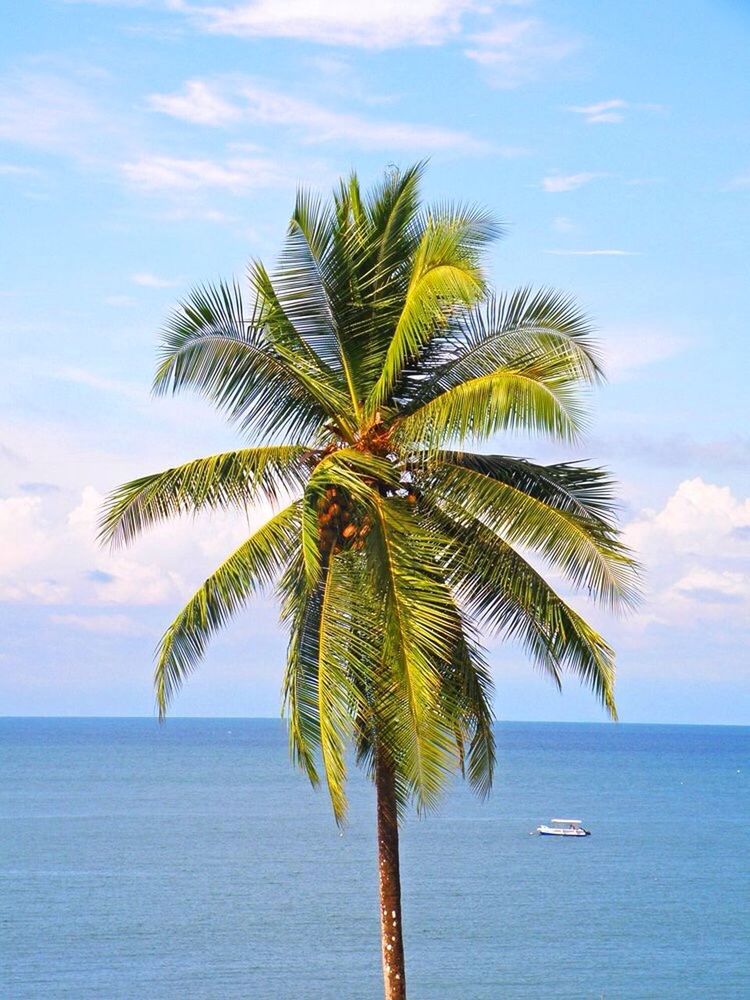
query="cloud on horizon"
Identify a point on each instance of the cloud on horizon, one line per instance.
(696, 550)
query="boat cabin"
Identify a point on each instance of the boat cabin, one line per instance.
(563, 828)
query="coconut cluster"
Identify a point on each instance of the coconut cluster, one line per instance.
(340, 525)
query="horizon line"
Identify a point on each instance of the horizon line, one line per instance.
(275, 718)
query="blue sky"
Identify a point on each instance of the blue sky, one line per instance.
(146, 146)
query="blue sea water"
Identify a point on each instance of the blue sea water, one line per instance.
(191, 861)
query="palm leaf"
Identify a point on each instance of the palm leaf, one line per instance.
(231, 479)
(254, 565)
(509, 597)
(421, 632)
(444, 275)
(537, 398)
(589, 556)
(210, 345)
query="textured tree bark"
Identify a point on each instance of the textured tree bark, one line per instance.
(394, 974)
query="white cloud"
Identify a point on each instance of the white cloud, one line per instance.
(739, 183)
(516, 52)
(696, 550)
(610, 112)
(198, 103)
(65, 114)
(562, 224)
(23, 532)
(557, 183)
(16, 170)
(169, 173)
(628, 350)
(49, 554)
(101, 383)
(254, 102)
(105, 624)
(50, 112)
(592, 253)
(375, 24)
(148, 280)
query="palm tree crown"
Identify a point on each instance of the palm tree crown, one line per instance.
(369, 359)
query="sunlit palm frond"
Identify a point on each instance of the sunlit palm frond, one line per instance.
(211, 346)
(589, 556)
(507, 332)
(445, 275)
(255, 565)
(422, 631)
(300, 612)
(586, 491)
(234, 479)
(535, 399)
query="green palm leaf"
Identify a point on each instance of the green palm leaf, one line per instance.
(589, 555)
(509, 597)
(445, 274)
(422, 631)
(254, 565)
(212, 346)
(231, 479)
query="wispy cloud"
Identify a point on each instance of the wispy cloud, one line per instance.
(557, 183)
(677, 450)
(147, 280)
(515, 52)
(53, 113)
(198, 103)
(232, 100)
(119, 301)
(40, 488)
(562, 224)
(377, 24)
(610, 112)
(105, 624)
(592, 253)
(629, 350)
(16, 170)
(739, 183)
(101, 383)
(154, 173)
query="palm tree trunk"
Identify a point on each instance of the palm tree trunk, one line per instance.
(392, 945)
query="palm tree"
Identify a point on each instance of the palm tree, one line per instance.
(371, 355)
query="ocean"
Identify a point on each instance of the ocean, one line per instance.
(191, 861)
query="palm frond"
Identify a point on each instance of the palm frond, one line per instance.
(236, 479)
(254, 565)
(586, 491)
(300, 611)
(466, 699)
(537, 399)
(421, 632)
(445, 275)
(211, 346)
(509, 597)
(333, 661)
(589, 555)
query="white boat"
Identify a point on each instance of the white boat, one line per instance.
(563, 828)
